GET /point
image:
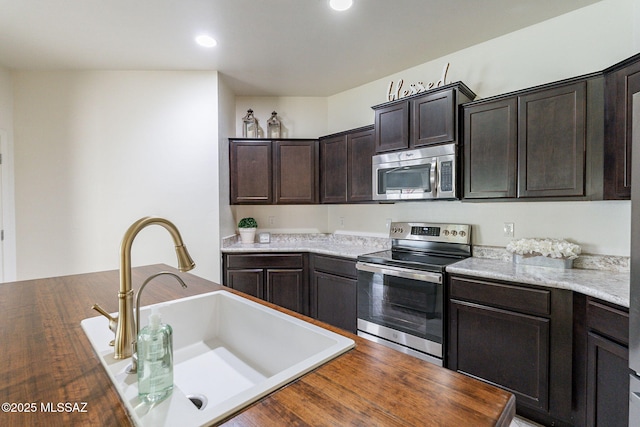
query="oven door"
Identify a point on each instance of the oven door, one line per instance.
(402, 306)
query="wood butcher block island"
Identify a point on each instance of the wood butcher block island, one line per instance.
(51, 376)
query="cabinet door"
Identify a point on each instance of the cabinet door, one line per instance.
(433, 119)
(249, 281)
(296, 171)
(620, 87)
(287, 289)
(607, 382)
(360, 150)
(552, 142)
(392, 127)
(505, 348)
(250, 172)
(333, 170)
(334, 300)
(490, 150)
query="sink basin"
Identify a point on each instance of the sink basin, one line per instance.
(228, 352)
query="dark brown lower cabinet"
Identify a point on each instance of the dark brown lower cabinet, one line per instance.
(277, 278)
(333, 291)
(607, 382)
(517, 337)
(602, 360)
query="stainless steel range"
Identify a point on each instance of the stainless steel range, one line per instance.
(401, 291)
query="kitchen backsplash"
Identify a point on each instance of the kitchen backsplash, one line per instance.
(584, 261)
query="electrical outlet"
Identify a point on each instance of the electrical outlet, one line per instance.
(272, 220)
(387, 223)
(507, 230)
(341, 221)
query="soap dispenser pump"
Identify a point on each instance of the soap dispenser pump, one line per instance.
(155, 360)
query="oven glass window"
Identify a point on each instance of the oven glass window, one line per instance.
(407, 305)
(406, 178)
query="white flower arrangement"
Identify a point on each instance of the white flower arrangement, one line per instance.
(550, 248)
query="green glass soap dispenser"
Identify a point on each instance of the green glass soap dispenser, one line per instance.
(155, 360)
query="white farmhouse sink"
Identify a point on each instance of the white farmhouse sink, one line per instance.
(228, 351)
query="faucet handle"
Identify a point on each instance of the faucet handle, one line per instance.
(113, 322)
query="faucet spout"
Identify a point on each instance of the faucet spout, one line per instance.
(125, 327)
(133, 368)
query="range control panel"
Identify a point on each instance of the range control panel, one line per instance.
(431, 232)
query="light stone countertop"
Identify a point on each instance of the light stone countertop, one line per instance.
(345, 246)
(609, 286)
(488, 262)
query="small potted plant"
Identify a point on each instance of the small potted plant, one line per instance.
(247, 228)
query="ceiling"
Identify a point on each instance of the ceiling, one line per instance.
(265, 47)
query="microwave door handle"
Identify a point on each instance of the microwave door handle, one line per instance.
(432, 177)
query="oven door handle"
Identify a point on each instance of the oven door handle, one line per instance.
(423, 276)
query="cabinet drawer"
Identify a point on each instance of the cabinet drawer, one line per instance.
(518, 298)
(609, 321)
(265, 261)
(338, 266)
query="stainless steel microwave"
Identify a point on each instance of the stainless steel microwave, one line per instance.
(425, 173)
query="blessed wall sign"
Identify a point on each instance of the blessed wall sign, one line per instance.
(396, 91)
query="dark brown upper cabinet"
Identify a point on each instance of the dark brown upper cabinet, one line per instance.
(273, 172)
(434, 118)
(345, 166)
(296, 171)
(250, 171)
(491, 149)
(544, 142)
(622, 81)
(428, 118)
(552, 142)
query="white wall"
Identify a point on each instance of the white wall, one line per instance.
(584, 41)
(96, 150)
(7, 215)
(226, 129)
(301, 117)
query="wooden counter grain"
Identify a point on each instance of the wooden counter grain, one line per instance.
(47, 360)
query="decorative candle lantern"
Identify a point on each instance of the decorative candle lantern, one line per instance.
(274, 126)
(249, 125)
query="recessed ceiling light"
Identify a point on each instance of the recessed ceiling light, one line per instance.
(206, 41)
(340, 5)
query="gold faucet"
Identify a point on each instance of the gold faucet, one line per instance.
(124, 324)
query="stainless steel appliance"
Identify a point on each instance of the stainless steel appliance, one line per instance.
(425, 173)
(401, 291)
(634, 302)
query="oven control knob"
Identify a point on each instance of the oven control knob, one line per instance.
(445, 232)
(462, 233)
(454, 233)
